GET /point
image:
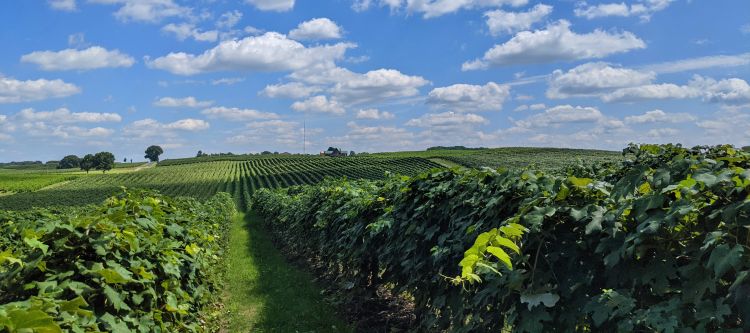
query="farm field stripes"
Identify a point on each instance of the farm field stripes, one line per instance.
(202, 180)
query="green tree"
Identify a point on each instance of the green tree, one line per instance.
(200, 153)
(87, 163)
(153, 152)
(104, 161)
(69, 162)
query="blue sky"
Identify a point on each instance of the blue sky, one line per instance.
(79, 76)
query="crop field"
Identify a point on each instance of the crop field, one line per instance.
(513, 158)
(488, 240)
(202, 180)
(14, 182)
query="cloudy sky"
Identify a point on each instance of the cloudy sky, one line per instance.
(80, 76)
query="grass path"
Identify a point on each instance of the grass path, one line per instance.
(265, 293)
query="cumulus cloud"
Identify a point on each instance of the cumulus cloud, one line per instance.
(651, 91)
(435, 8)
(320, 104)
(146, 10)
(659, 116)
(374, 114)
(149, 128)
(292, 90)
(316, 29)
(644, 9)
(375, 85)
(272, 5)
(501, 22)
(237, 114)
(64, 116)
(555, 43)
(268, 52)
(733, 92)
(469, 98)
(16, 91)
(446, 120)
(63, 5)
(72, 59)
(591, 79)
(183, 31)
(185, 102)
(566, 114)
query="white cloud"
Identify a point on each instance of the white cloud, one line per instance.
(446, 120)
(316, 29)
(375, 86)
(63, 5)
(556, 43)
(16, 91)
(662, 132)
(745, 29)
(146, 10)
(319, 103)
(188, 125)
(183, 31)
(294, 90)
(227, 81)
(470, 98)
(651, 91)
(594, 78)
(659, 116)
(435, 8)
(185, 102)
(644, 9)
(501, 22)
(566, 114)
(538, 106)
(237, 114)
(269, 52)
(229, 19)
(693, 64)
(78, 132)
(148, 128)
(272, 5)
(64, 116)
(732, 92)
(71, 59)
(374, 114)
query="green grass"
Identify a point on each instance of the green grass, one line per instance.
(265, 293)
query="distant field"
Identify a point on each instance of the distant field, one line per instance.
(202, 180)
(14, 181)
(241, 175)
(546, 159)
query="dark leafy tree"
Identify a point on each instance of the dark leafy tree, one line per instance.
(87, 163)
(266, 152)
(69, 162)
(104, 161)
(153, 152)
(200, 153)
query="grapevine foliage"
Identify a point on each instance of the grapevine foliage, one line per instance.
(659, 242)
(140, 262)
